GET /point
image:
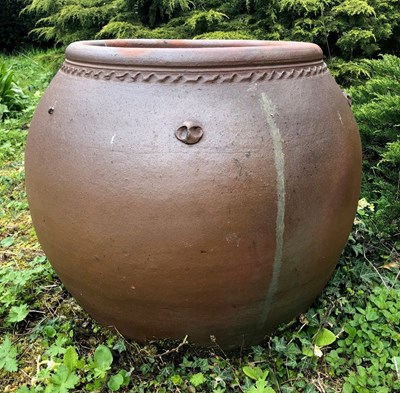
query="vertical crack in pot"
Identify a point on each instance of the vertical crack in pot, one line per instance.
(279, 161)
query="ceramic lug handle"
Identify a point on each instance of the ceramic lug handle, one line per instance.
(189, 133)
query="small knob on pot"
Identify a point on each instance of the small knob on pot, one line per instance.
(189, 133)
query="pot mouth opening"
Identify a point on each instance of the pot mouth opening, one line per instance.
(186, 44)
(158, 53)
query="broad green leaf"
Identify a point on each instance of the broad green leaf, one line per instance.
(7, 242)
(371, 314)
(71, 358)
(126, 376)
(254, 373)
(197, 379)
(115, 382)
(103, 358)
(324, 337)
(307, 351)
(50, 331)
(347, 388)
(350, 330)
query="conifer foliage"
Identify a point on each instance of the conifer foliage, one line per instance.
(377, 110)
(345, 28)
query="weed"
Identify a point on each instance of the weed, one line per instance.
(12, 98)
(8, 356)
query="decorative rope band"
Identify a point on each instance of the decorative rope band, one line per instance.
(186, 77)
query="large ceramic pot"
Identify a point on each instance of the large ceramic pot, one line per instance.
(200, 188)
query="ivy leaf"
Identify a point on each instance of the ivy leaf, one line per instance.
(71, 358)
(324, 337)
(8, 356)
(119, 346)
(18, 313)
(197, 379)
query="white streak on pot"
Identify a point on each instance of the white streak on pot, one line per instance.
(279, 161)
(340, 117)
(112, 139)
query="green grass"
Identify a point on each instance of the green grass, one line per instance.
(347, 341)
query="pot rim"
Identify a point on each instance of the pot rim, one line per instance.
(197, 54)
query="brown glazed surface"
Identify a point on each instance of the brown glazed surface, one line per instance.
(193, 187)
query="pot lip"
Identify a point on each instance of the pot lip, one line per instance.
(160, 53)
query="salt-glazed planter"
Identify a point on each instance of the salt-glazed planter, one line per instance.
(200, 188)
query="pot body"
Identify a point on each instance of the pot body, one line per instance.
(224, 236)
